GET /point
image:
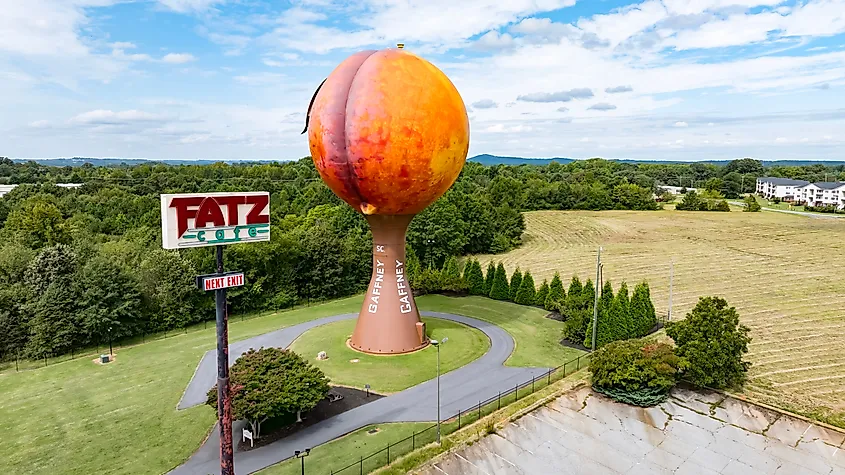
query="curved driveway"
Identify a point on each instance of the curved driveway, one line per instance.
(459, 389)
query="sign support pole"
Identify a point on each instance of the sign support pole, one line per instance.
(224, 401)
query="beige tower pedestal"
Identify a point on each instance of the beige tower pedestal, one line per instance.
(389, 322)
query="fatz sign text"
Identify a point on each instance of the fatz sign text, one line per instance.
(210, 219)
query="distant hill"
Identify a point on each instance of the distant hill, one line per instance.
(489, 160)
(484, 159)
(116, 162)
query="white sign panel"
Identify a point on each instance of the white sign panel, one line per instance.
(210, 219)
(223, 282)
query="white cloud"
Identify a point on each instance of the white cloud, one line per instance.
(188, 6)
(260, 79)
(681, 123)
(781, 140)
(178, 58)
(485, 104)
(39, 124)
(108, 117)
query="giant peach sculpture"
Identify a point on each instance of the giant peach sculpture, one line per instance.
(389, 134)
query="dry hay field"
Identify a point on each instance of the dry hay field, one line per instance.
(785, 274)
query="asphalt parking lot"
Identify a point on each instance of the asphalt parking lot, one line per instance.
(691, 433)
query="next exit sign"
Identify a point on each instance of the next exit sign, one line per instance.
(214, 282)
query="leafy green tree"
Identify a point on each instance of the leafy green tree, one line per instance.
(489, 278)
(110, 300)
(527, 292)
(430, 281)
(437, 233)
(36, 223)
(54, 326)
(475, 278)
(751, 204)
(556, 294)
(516, 281)
(630, 196)
(690, 202)
(500, 289)
(13, 319)
(622, 314)
(712, 343)
(642, 310)
(542, 293)
(272, 383)
(167, 280)
(52, 263)
(635, 372)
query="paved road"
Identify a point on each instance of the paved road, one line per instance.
(799, 213)
(459, 389)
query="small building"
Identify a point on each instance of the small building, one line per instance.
(5, 189)
(783, 188)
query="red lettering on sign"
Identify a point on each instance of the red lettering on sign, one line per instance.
(183, 214)
(232, 203)
(209, 212)
(258, 202)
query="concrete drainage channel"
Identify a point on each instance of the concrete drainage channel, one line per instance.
(692, 433)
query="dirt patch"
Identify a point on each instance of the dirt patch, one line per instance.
(577, 346)
(280, 428)
(556, 316)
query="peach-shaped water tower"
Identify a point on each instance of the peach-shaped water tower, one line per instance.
(389, 134)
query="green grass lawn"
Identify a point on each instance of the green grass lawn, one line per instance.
(77, 417)
(341, 452)
(537, 338)
(390, 373)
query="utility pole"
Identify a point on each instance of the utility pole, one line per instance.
(671, 279)
(224, 403)
(596, 298)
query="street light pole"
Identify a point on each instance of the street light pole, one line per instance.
(437, 345)
(111, 352)
(596, 298)
(301, 456)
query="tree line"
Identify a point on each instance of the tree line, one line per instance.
(79, 266)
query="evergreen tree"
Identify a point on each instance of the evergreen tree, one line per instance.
(588, 296)
(622, 314)
(527, 292)
(516, 281)
(451, 275)
(467, 269)
(577, 317)
(642, 310)
(489, 278)
(475, 280)
(542, 293)
(500, 290)
(607, 325)
(412, 266)
(556, 294)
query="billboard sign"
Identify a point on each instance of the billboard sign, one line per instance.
(211, 219)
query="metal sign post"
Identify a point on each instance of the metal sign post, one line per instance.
(217, 219)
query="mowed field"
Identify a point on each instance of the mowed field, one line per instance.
(785, 274)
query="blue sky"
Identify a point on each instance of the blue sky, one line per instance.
(231, 79)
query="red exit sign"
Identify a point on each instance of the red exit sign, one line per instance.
(223, 282)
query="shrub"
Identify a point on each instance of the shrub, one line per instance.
(542, 293)
(430, 281)
(451, 278)
(500, 290)
(526, 293)
(516, 281)
(751, 204)
(711, 342)
(556, 294)
(635, 372)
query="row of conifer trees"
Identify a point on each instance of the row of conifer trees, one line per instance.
(620, 316)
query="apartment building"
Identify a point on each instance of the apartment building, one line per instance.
(784, 188)
(825, 193)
